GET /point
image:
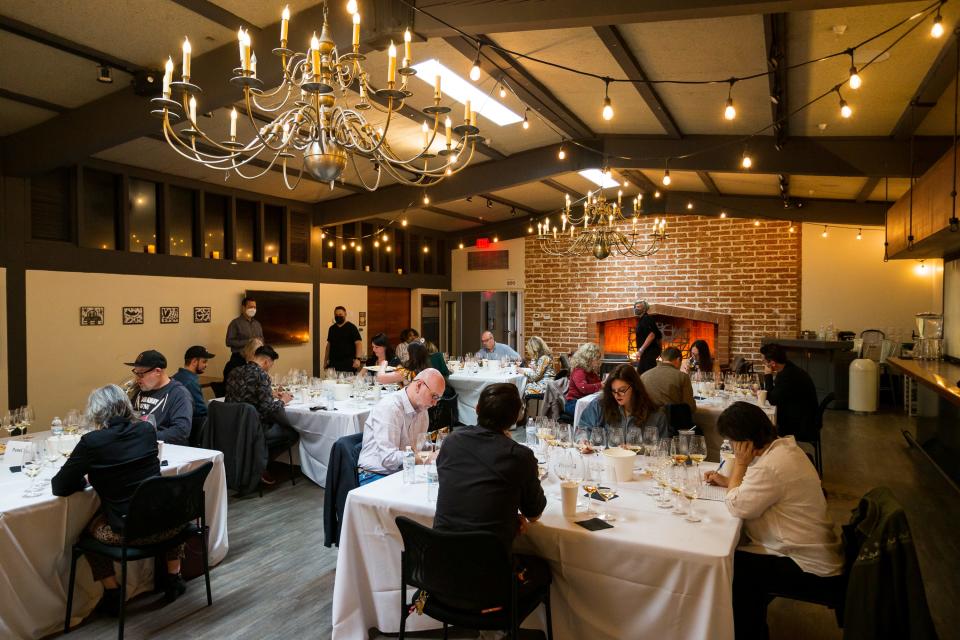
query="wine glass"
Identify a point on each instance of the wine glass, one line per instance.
(680, 449)
(598, 439)
(424, 447)
(581, 439)
(691, 490)
(50, 453)
(9, 424)
(698, 450)
(615, 437)
(608, 491)
(31, 468)
(650, 439)
(634, 442)
(27, 417)
(676, 479)
(72, 422)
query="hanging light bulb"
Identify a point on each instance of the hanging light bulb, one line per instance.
(859, 234)
(937, 29)
(607, 109)
(792, 229)
(403, 222)
(475, 69)
(730, 112)
(756, 223)
(855, 80)
(723, 214)
(689, 206)
(461, 245)
(746, 161)
(666, 180)
(351, 6)
(845, 110)
(561, 154)
(503, 92)
(824, 234)
(526, 120)
(656, 194)
(426, 200)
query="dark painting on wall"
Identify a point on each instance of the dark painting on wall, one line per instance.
(202, 315)
(169, 315)
(133, 315)
(91, 316)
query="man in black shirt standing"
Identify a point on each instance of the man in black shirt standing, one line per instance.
(648, 337)
(791, 390)
(164, 402)
(344, 348)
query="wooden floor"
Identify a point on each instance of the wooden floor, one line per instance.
(277, 579)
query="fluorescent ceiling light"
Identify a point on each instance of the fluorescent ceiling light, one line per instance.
(461, 91)
(598, 178)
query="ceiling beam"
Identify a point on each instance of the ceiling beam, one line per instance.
(218, 14)
(775, 39)
(708, 182)
(506, 70)
(510, 203)
(503, 16)
(613, 40)
(868, 186)
(46, 38)
(122, 115)
(31, 101)
(640, 179)
(931, 88)
(556, 186)
(453, 214)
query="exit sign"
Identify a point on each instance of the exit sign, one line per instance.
(483, 243)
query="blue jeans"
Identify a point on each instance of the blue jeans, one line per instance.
(570, 407)
(366, 477)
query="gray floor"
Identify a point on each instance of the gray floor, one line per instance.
(277, 580)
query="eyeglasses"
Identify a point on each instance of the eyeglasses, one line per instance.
(140, 374)
(433, 395)
(619, 392)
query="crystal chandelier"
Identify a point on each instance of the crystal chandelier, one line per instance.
(601, 228)
(312, 124)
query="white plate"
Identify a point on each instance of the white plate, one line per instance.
(376, 369)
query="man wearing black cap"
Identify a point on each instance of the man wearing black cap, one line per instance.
(164, 402)
(251, 383)
(194, 364)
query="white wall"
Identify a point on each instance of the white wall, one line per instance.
(3, 340)
(845, 281)
(66, 361)
(511, 279)
(353, 297)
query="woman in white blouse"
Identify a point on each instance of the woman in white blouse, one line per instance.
(789, 544)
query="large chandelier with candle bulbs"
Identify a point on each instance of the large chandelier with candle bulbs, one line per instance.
(315, 126)
(600, 227)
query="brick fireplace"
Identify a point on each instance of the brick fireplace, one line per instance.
(680, 326)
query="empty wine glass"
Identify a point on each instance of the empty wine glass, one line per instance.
(691, 491)
(615, 437)
(424, 448)
(598, 438)
(9, 424)
(27, 417)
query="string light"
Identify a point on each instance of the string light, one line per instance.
(723, 214)
(503, 92)
(937, 29)
(666, 180)
(426, 200)
(689, 206)
(461, 245)
(526, 120)
(561, 154)
(403, 222)
(475, 69)
(859, 234)
(855, 80)
(351, 6)
(824, 234)
(607, 105)
(730, 112)
(746, 161)
(756, 223)
(792, 229)
(845, 110)
(656, 194)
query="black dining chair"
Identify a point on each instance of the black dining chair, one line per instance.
(466, 579)
(813, 439)
(158, 504)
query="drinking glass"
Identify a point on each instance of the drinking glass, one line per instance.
(32, 466)
(676, 476)
(634, 442)
(662, 465)
(9, 425)
(680, 449)
(615, 437)
(691, 490)
(650, 439)
(424, 448)
(50, 453)
(607, 491)
(698, 450)
(72, 422)
(598, 438)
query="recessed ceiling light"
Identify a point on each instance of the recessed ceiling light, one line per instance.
(461, 90)
(599, 178)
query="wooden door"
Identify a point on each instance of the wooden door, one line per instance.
(388, 311)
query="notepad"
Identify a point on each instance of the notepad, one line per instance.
(713, 492)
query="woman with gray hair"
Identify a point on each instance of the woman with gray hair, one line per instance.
(648, 337)
(541, 369)
(116, 457)
(584, 375)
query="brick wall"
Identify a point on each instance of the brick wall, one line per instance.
(727, 266)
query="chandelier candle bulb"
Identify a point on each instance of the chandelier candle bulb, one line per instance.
(247, 50)
(284, 26)
(448, 129)
(315, 56)
(186, 59)
(233, 124)
(356, 30)
(426, 134)
(466, 112)
(193, 110)
(392, 64)
(167, 77)
(406, 48)
(253, 65)
(473, 118)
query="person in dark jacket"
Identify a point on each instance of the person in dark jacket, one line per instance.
(489, 482)
(791, 390)
(648, 337)
(160, 400)
(116, 458)
(194, 365)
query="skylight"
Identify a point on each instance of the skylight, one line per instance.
(598, 178)
(462, 90)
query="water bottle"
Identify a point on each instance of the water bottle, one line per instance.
(726, 452)
(433, 483)
(409, 466)
(531, 432)
(56, 427)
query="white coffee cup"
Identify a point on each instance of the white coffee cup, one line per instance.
(160, 450)
(762, 397)
(568, 497)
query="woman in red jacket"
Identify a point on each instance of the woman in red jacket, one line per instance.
(584, 375)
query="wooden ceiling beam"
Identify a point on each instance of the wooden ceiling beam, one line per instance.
(217, 14)
(613, 40)
(775, 39)
(31, 101)
(46, 38)
(708, 182)
(939, 76)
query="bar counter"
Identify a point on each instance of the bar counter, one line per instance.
(938, 375)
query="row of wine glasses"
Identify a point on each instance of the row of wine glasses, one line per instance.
(18, 421)
(573, 466)
(677, 481)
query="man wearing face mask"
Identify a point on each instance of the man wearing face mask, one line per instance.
(648, 337)
(240, 330)
(344, 348)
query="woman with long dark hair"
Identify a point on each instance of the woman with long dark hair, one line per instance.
(700, 359)
(417, 360)
(624, 403)
(382, 352)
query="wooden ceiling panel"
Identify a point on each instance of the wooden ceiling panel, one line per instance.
(747, 184)
(825, 187)
(15, 116)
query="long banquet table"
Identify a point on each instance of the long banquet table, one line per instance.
(705, 417)
(652, 575)
(36, 535)
(469, 385)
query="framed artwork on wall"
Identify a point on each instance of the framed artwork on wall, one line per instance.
(202, 315)
(91, 316)
(132, 315)
(169, 315)
(363, 319)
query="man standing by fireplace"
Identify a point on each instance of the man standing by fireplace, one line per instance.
(648, 337)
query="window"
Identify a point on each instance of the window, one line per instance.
(349, 247)
(385, 251)
(330, 248)
(142, 231)
(416, 252)
(245, 234)
(399, 249)
(368, 258)
(273, 233)
(214, 217)
(50, 206)
(180, 221)
(299, 237)
(100, 210)
(441, 257)
(428, 253)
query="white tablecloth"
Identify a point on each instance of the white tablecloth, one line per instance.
(705, 417)
(320, 429)
(36, 535)
(469, 386)
(653, 575)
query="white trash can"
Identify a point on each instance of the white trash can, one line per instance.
(864, 385)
